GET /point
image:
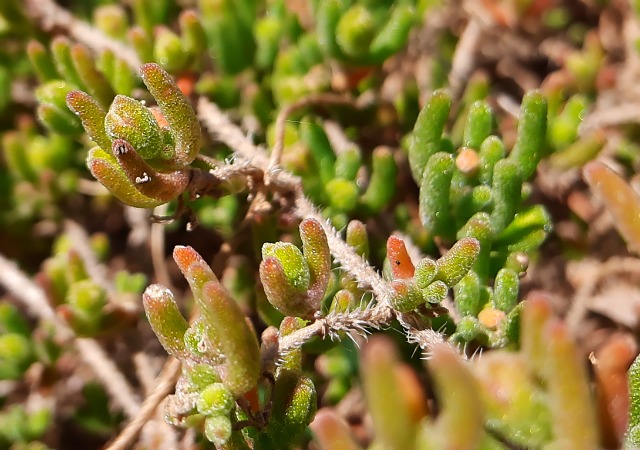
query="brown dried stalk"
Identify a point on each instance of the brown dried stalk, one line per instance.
(165, 384)
(318, 99)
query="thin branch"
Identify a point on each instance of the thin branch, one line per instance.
(222, 129)
(380, 315)
(343, 253)
(340, 143)
(158, 435)
(165, 384)
(138, 221)
(146, 370)
(109, 375)
(51, 16)
(323, 98)
(29, 294)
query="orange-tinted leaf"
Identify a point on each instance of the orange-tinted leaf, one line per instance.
(620, 199)
(401, 265)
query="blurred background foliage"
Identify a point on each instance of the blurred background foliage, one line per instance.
(476, 153)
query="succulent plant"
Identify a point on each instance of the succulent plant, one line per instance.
(344, 168)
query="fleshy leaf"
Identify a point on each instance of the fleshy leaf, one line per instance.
(91, 115)
(427, 133)
(315, 250)
(407, 296)
(130, 120)
(531, 135)
(162, 186)
(238, 343)
(401, 265)
(279, 290)
(331, 432)
(455, 264)
(185, 128)
(293, 264)
(105, 168)
(460, 422)
(95, 82)
(165, 318)
(381, 386)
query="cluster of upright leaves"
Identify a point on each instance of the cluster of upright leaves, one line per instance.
(364, 32)
(283, 57)
(82, 302)
(179, 53)
(477, 191)
(337, 178)
(536, 398)
(142, 153)
(219, 349)
(295, 282)
(302, 284)
(220, 387)
(270, 36)
(67, 67)
(42, 171)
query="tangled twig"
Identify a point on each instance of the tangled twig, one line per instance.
(164, 386)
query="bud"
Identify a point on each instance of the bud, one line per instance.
(455, 264)
(165, 319)
(184, 125)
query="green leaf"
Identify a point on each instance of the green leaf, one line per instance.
(130, 120)
(184, 125)
(427, 133)
(455, 264)
(435, 213)
(531, 135)
(105, 168)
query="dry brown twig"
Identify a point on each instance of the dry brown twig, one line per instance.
(311, 100)
(165, 384)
